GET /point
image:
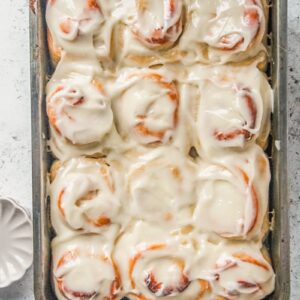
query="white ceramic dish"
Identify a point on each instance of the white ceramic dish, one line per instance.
(16, 249)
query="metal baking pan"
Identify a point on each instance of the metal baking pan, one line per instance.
(278, 241)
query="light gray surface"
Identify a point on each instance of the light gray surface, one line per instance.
(294, 142)
(15, 144)
(15, 155)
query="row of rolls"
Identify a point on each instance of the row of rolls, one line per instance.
(227, 198)
(213, 109)
(142, 32)
(147, 262)
(158, 115)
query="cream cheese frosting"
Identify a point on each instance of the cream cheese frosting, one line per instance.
(160, 187)
(83, 269)
(159, 115)
(157, 265)
(156, 24)
(151, 107)
(234, 108)
(151, 32)
(221, 31)
(169, 243)
(92, 111)
(148, 109)
(232, 194)
(148, 27)
(81, 28)
(79, 109)
(235, 271)
(86, 196)
(213, 31)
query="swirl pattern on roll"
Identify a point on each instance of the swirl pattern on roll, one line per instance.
(236, 271)
(149, 31)
(234, 108)
(233, 195)
(224, 30)
(156, 25)
(147, 109)
(85, 195)
(80, 28)
(79, 111)
(84, 270)
(158, 265)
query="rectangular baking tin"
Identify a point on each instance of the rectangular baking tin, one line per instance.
(40, 71)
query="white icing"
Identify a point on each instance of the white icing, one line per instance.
(234, 108)
(233, 194)
(147, 110)
(160, 187)
(148, 31)
(83, 269)
(82, 27)
(85, 196)
(212, 269)
(173, 226)
(151, 108)
(221, 31)
(150, 256)
(81, 111)
(215, 31)
(156, 23)
(236, 271)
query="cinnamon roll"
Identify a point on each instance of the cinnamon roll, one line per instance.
(157, 24)
(237, 271)
(79, 112)
(80, 28)
(232, 195)
(153, 265)
(85, 195)
(221, 31)
(150, 30)
(234, 108)
(83, 269)
(160, 187)
(147, 109)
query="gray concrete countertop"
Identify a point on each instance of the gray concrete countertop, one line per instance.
(15, 139)
(294, 141)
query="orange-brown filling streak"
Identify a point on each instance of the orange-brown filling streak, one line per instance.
(172, 94)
